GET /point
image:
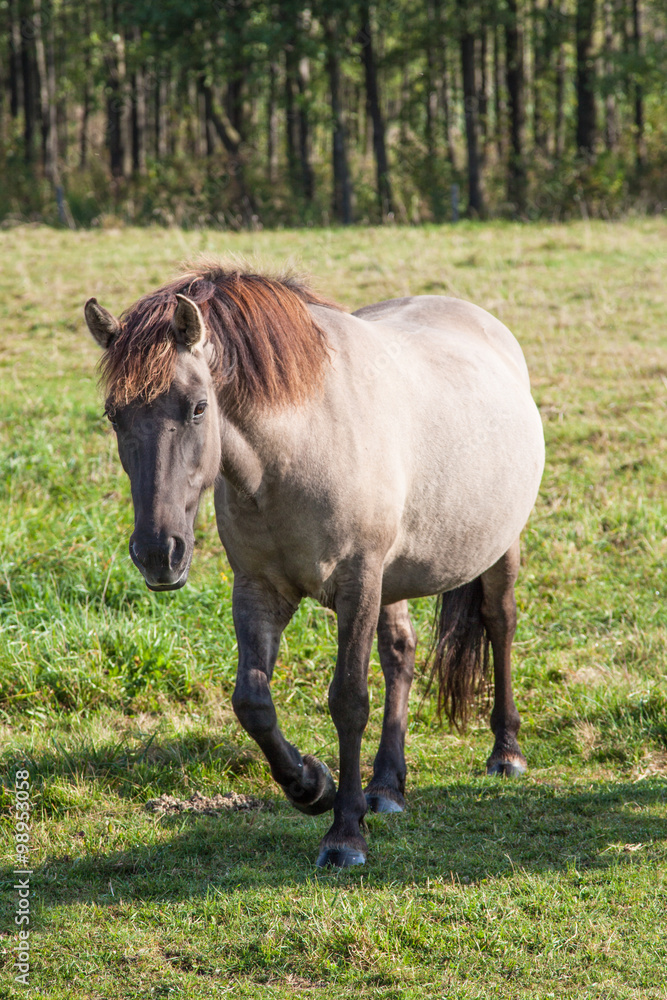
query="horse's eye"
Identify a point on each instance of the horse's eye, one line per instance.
(199, 408)
(111, 417)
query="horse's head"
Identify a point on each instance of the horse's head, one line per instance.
(169, 446)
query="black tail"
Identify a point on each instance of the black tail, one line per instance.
(460, 651)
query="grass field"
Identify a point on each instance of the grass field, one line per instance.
(551, 886)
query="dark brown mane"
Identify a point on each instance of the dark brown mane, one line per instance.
(267, 348)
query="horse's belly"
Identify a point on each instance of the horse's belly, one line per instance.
(409, 576)
(451, 554)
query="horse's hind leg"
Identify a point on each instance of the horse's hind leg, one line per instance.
(396, 645)
(499, 615)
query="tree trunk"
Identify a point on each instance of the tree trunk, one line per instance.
(161, 119)
(297, 71)
(342, 194)
(85, 100)
(552, 42)
(291, 120)
(206, 124)
(28, 97)
(610, 117)
(640, 148)
(61, 104)
(374, 111)
(83, 136)
(475, 200)
(447, 106)
(47, 99)
(431, 107)
(482, 97)
(516, 175)
(307, 175)
(138, 124)
(559, 123)
(231, 140)
(434, 79)
(540, 57)
(197, 144)
(585, 77)
(138, 121)
(234, 99)
(170, 131)
(47, 87)
(497, 100)
(272, 127)
(207, 100)
(16, 50)
(115, 96)
(404, 103)
(227, 134)
(235, 14)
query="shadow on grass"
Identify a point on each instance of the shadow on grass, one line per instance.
(135, 761)
(464, 832)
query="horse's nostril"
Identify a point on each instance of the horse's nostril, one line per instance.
(136, 554)
(176, 551)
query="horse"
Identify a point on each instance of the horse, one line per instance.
(361, 459)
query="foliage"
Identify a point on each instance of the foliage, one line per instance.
(218, 113)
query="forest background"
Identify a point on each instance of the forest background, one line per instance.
(251, 114)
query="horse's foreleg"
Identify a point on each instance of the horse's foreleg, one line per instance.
(260, 616)
(396, 645)
(357, 612)
(499, 614)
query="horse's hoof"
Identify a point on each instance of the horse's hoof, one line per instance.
(512, 767)
(326, 791)
(379, 803)
(340, 857)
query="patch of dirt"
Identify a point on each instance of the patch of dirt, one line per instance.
(652, 764)
(204, 805)
(298, 982)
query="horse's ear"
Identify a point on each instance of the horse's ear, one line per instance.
(188, 324)
(103, 326)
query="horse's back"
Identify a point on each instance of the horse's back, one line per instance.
(454, 317)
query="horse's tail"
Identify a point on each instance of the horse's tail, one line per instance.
(460, 651)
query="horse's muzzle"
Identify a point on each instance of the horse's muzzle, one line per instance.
(164, 562)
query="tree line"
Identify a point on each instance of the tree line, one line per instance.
(241, 113)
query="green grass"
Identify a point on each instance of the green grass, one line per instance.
(554, 885)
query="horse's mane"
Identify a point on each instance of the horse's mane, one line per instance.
(267, 349)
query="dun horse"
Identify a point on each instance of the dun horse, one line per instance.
(361, 460)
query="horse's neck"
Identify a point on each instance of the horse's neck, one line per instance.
(260, 445)
(241, 464)
(262, 441)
